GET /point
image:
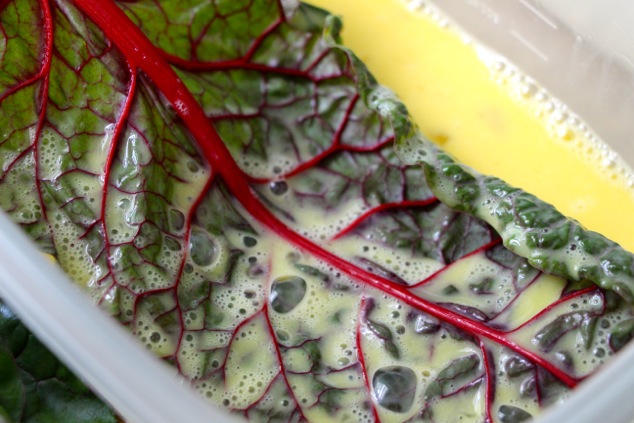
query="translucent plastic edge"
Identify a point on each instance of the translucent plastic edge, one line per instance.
(140, 387)
(533, 40)
(595, 83)
(605, 396)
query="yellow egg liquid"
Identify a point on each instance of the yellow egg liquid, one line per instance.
(458, 101)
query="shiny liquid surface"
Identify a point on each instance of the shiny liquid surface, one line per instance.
(487, 114)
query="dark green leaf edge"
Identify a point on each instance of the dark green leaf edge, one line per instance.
(36, 387)
(529, 227)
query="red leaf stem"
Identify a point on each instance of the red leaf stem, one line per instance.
(363, 308)
(489, 380)
(47, 24)
(130, 40)
(118, 132)
(384, 207)
(278, 355)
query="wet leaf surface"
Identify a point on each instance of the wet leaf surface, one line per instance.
(221, 178)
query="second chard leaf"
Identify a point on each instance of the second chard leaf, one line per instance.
(221, 177)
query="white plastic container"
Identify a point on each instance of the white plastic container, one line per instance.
(581, 51)
(136, 383)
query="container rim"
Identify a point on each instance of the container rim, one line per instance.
(97, 348)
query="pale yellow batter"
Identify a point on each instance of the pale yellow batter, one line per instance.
(457, 101)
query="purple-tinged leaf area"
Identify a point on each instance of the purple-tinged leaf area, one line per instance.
(220, 176)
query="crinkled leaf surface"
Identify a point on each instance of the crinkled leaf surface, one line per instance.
(221, 177)
(35, 386)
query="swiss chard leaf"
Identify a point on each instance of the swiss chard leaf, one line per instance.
(221, 177)
(35, 386)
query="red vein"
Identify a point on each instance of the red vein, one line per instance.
(489, 371)
(3, 5)
(129, 39)
(185, 251)
(45, 72)
(278, 355)
(384, 207)
(40, 75)
(258, 42)
(334, 147)
(477, 251)
(107, 169)
(362, 317)
(241, 63)
(557, 303)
